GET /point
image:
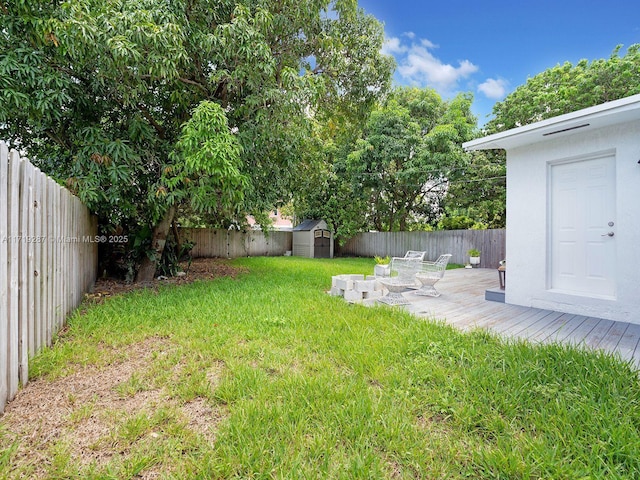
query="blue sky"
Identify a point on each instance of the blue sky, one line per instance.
(491, 47)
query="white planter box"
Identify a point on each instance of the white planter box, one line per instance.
(382, 270)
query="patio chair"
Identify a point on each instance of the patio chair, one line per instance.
(430, 273)
(414, 254)
(403, 277)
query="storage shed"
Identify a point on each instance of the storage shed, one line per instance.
(573, 221)
(313, 239)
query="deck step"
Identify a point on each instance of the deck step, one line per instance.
(494, 295)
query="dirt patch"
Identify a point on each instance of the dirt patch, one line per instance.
(84, 412)
(203, 418)
(199, 269)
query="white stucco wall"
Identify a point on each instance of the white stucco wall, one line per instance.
(527, 222)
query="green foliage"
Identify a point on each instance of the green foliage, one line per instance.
(410, 152)
(142, 105)
(206, 164)
(395, 173)
(382, 260)
(478, 196)
(474, 252)
(455, 222)
(566, 88)
(172, 256)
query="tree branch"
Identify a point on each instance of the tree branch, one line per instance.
(55, 138)
(197, 84)
(147, 114)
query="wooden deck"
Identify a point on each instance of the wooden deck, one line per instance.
(463, 305)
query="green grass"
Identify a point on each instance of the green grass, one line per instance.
(293, 383)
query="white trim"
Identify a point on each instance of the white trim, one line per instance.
(603, 115)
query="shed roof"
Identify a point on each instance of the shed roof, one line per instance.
(603, 115)
(307, 225)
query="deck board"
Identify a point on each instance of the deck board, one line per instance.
(628, 344)
(462, 305)
(554, 327)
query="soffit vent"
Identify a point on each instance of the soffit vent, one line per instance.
(566, 129)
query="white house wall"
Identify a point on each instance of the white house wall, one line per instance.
(527, 221)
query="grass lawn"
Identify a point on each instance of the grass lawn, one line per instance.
(266, 376)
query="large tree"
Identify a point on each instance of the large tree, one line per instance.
(392, 172)
(143, 107)
(566, 88)
(410, 152)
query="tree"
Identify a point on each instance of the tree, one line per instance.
(324, 189)
(391, 172)
(567, 88)
(477, 198)
(145, 107)
(410, 153)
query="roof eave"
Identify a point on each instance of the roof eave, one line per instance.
(599, 116)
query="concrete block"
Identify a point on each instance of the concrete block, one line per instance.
(336, 292)
(373, 294)
(352, 296)
(343, 283)
(364, 285)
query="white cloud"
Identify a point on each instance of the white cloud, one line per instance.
(393, 46)
(417, 65)
(494, 88)
(427, 43)
(410, 35)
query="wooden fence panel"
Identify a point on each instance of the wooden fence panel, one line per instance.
(233, 244)
(211, 243)
(491, 244)
(46, 264)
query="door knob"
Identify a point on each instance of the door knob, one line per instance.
(610, 234)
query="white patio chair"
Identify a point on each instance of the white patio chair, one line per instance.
(414, 254)
(403, 277)
(429, 273)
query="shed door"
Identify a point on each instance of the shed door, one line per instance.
(583, 214)
(322, 244)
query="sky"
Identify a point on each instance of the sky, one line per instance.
(491, 47)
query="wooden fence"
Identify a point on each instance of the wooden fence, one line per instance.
(491, 244)
(232, 244)
(211, 242)
(48, 259)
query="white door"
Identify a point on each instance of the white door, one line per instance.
(583, 229)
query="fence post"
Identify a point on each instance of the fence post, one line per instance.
(4, 331)
(38, 334)
(25, 314)
(14, 273)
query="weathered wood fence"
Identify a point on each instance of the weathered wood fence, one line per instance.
(232, 244)
(48, 259)
(491, 244)
(211, 242)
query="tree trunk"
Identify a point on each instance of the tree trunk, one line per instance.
(176, 236)
(148, 268)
